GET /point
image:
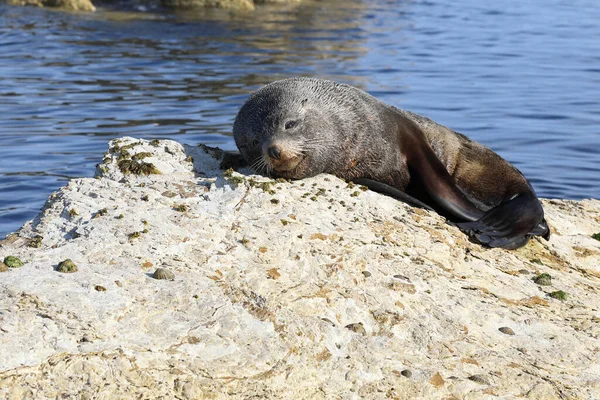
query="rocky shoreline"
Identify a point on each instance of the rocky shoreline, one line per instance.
(88, 6)
(275, 289)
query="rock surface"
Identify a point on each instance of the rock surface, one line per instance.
(228, 4)
(308, 289)
(72, 5)
(86, 5)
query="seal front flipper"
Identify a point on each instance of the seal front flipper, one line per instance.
(510, 224)
(428, 172)
(233, 159)
(392, 192)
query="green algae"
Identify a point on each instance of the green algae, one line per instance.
(13, 262)
(67, 266)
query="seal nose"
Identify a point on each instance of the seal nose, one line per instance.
(274, 152)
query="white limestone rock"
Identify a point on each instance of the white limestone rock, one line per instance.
(306, 289)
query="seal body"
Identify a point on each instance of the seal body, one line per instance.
(301, 127)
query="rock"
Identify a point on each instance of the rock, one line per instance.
(67, 266)
(559, 295)
(228, 4)
(479, 379)
(163, 273)
(13, 262)
(270, 310)
(72, 5)
(506, 330)
(543, 279)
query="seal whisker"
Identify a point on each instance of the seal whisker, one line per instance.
(260, 165)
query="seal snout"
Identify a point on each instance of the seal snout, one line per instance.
(274, 152)
(282, 155)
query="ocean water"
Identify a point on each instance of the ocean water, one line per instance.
(521, 77)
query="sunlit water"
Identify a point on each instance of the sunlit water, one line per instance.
(522, 77)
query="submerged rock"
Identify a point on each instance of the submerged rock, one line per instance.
(73, 5)
(350, 296)
(229, 4)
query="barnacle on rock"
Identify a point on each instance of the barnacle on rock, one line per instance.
(479, 379)
(163, 273)
(67, 266)
(506, 330)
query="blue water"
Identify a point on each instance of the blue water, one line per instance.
(520, 77)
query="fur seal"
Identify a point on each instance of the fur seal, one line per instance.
(301, 127)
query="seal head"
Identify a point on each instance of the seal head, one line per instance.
(289, 129)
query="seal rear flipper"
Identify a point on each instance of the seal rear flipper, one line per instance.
(392, 192)
(509, 225)
(542, 230)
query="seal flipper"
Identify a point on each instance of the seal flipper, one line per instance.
(428, 171)
(510, 224)
(392, 192)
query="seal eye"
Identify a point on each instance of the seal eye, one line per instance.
(291, 124)
(255, 142)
